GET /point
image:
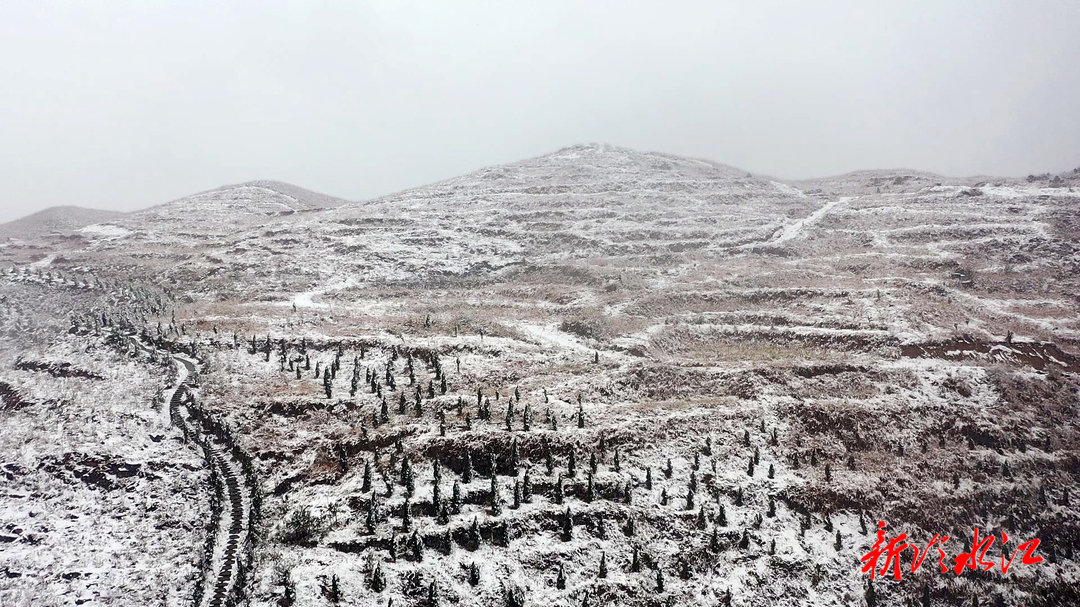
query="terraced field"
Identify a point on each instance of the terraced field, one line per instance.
(598, 376)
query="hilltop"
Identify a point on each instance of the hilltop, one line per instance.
(55, 220)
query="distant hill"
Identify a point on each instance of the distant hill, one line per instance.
(253, 196)
(306, 198)
(55, 219)
(246, 203)
(227, 203)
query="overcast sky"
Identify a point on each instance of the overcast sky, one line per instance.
(125, 105)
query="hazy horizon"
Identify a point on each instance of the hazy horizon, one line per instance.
(127, 106)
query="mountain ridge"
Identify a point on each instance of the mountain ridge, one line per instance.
(564, 169)
(64, 218)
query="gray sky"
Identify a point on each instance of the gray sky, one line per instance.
(124, 105)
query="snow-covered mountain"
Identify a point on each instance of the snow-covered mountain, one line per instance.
(420, 385)
(224, 208)
(54, 220)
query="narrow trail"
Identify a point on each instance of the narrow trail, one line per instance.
(792, 230)
(229, 547)
(234, 489)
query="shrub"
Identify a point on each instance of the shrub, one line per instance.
(302, 528)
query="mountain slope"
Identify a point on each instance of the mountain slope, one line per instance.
(222, 208)
(755, 374)
(55, 219)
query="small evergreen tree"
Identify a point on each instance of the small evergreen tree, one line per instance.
(378, 579)
(417, 547)
(289, 596)
(474, 535)
(496, 499)
(371, 520)
(567, 525)
(467, 470)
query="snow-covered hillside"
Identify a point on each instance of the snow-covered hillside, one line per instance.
(54, 220)
(761, 371)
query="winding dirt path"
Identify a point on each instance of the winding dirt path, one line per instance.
(221, 584)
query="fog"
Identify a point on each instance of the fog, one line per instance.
(123, 106)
